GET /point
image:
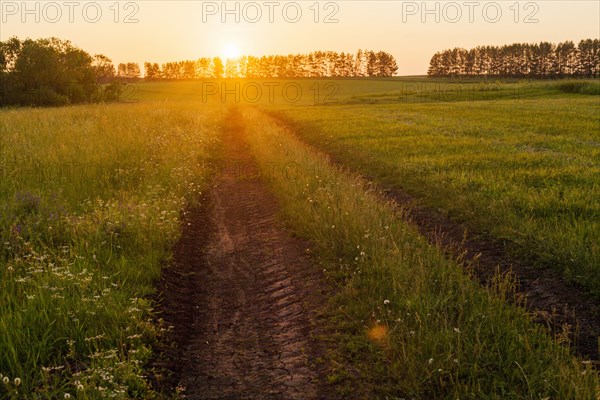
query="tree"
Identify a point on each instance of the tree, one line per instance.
(218, 68)
(588, 57)
(151, 71)
(129, 71)
(48, 72)
(386, 64)
(9, 52)
(566, 59)
(537, 60)
(359, 64)
(103, 68)
(372, 66)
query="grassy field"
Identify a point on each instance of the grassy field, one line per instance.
(91, 199)
(409, 323)
(521, 165)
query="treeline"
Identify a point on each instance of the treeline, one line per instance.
(518, 60)
(53, 72)
(316, 64)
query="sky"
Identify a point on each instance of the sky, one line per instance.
(162, 31)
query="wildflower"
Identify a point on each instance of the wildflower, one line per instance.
(456, 330)
(17, 381)
(430, 361)
(5, 380)
(386, 302)
(67, 396)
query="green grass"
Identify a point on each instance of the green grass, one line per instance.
(90, 199)
(409, 322)
(525, 170)
(90, 203)
(580, 87)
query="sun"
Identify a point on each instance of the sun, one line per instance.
(230, 51)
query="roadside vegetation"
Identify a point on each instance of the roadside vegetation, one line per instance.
(90, 202)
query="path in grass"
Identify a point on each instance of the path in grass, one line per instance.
(242, 292)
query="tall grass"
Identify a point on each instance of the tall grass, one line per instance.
(90, 202)
(579, 87)
(410, 323)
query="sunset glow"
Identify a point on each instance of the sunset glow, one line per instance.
(230, 51)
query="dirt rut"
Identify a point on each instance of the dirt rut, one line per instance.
(562, 307)
(242, 294)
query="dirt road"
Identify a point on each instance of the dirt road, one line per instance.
(242, 293)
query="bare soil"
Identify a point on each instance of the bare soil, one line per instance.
(242, 295)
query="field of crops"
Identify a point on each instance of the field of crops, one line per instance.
(92, 200)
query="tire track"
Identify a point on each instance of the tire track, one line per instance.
(243, 294)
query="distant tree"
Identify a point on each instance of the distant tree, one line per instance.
(204, 68)
(133, 70)
(152, 71)
(218, 68)
(589, 52)
(49, 72)
(386, 64)
(9, 52)
(535, 60)
(314, 64)
(103, 68)
(359, 64)
(129, 71)
(566, 59)
(372, 66)
(435, 65)
(231, 68)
